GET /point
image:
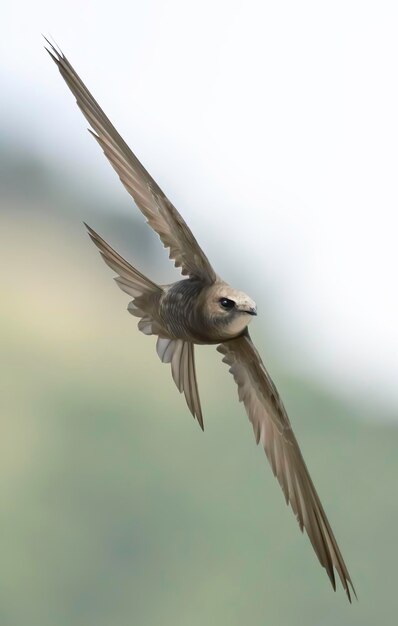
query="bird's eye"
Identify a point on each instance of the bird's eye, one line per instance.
(227, 304)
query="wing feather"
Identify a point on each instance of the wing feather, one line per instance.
(272, 428)
(150, 199)
(129, 279)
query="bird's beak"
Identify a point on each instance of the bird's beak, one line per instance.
(251, 311)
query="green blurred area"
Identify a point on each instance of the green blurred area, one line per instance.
(115, 508)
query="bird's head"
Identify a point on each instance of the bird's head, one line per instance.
(230, 308)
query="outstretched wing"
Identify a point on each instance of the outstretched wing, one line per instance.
(129, 279)
(150, 199)
(272, 427)
(179, 353)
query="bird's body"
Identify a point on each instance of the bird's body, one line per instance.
(180, 311)
(190, 310)
(203, 309)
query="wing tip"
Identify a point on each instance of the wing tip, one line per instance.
(345, 579)
(92, 234)
(54, 50)
(348, 591)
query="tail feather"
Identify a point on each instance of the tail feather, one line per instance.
(180, 355)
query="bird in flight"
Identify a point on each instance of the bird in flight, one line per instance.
(203, 309)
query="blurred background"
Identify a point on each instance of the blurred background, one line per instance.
(273, 128)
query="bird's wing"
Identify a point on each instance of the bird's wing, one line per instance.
(132, 282)
(150, 199)
(272, 427)
(180, 354)
(129, 279)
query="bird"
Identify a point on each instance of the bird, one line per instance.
(201, 308)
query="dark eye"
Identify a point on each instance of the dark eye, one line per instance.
(227, 304)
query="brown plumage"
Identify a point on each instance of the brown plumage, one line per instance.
(203, 309)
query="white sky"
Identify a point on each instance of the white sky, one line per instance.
(273, 126)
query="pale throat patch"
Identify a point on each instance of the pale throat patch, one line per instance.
(237, 324)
